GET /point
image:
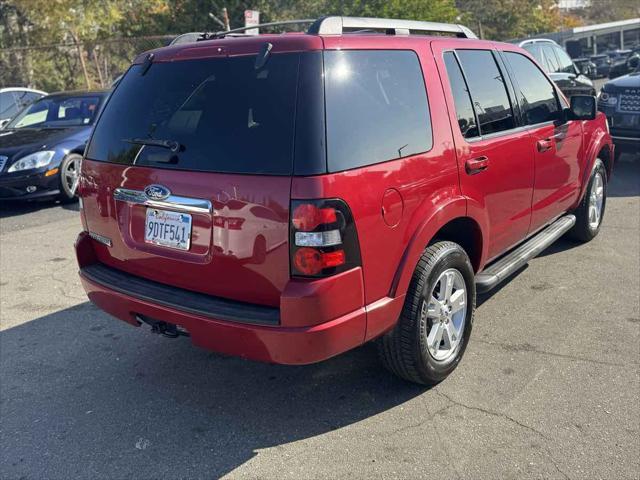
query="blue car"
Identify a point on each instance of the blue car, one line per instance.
(41, 148)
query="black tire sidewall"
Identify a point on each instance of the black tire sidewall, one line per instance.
(430, 368)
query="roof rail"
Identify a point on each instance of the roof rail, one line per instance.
(536, 40)
(223, 33)
(334, 25)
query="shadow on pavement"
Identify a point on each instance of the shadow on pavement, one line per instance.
(98, 398)
(626, 177)
(14, 208)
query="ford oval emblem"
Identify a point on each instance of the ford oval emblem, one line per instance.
(156, 192)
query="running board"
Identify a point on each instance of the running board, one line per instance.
(495, 273)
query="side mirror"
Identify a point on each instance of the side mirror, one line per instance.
(583, 107)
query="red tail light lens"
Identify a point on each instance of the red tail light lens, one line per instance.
(323, 239)
(307, 217)
(311, 261)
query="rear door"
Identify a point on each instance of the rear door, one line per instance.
(494, 154)
(188, 175)
(558, 147)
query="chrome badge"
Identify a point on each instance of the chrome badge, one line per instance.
(156, 192)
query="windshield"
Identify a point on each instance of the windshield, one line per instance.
(58, 111)
(218, 114)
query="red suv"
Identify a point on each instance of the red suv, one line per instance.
(286, 198)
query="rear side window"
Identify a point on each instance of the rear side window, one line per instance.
(488, 91)
(376, 107)
(565, 62)
(8, 107)
(461, 98)
(218, 115)
(537, 96)
(550, 57)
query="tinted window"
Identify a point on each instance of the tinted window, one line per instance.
(536, 94)
(488, 91)
(536, 52)
(565, 63)
(464, 109)
(376, 107)
(224, 114)
(550, 58)
(8, 106)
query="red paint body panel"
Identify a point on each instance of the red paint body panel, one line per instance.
(222, 270)
(397, 206)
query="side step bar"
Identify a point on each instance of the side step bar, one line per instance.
(495, 273)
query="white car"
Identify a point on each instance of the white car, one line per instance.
(13, 100)
(236, 223)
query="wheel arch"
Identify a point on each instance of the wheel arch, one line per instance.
(600, 146)
(446, 224)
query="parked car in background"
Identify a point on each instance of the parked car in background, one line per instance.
(390, 174)
(559, 67)
(41, 148)
(626, 64)
(619, 99)
(586, 67)
(617, 55)
(603, 64)
(12, 100)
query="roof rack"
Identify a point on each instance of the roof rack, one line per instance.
(334, 25)
(337, 25)
(224, 33)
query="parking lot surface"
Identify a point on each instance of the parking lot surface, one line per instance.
(549, 386)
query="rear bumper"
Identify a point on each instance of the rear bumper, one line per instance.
(329, 330)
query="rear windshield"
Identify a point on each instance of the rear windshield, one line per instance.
(217, 115)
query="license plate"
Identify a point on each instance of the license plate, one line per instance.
(168, 229)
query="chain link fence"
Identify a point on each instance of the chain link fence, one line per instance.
(72, 66)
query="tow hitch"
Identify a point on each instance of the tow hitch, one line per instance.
(163, 328)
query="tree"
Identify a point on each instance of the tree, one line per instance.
(509, 19)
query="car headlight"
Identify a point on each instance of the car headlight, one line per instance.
(607, 99)
(35, 160)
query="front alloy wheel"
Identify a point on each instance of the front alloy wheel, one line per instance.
(446, 313)
(70, 177)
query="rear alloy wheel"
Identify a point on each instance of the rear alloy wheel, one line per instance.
(432, 333)
(590, 213)
(70, 177)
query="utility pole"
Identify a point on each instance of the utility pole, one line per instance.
(225, 18)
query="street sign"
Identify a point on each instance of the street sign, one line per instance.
(252, 17)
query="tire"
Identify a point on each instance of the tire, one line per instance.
(405, 349)
(259, 250)
(67, 192)
(586, 228)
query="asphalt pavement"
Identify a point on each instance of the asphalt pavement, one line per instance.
(549, 386)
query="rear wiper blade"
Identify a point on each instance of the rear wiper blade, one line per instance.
(153, 142)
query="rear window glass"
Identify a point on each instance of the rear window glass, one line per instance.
(217, 115)
(376, 107)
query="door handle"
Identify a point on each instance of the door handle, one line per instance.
(476, 165)
(544, 145)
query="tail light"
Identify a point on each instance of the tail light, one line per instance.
(323, 238)
(232, 223)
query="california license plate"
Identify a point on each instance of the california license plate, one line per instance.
(169, 229)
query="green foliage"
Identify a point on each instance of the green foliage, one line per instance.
(88, 51)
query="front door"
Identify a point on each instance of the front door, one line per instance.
(557, 146)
